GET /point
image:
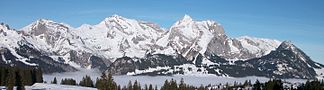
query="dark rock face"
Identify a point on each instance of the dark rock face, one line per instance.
(7, 59)
(287, 61)
(47, 64)
(43, 61)
(126, 64)
(81, 58)
(100, 63)
(122, 65)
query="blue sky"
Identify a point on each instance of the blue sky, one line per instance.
(301, 22)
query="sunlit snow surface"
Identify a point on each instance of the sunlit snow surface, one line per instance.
(195, 80)
(44, 86)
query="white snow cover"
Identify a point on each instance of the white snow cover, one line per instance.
(195, 79)
(167, 51)
(44, 86)
(258, 46)
(117, 36)
(147, 70)
(282, 68)
(9, 39)
(191, 30)
(61, 40)
(233, 48)
(60, 27)
(188, 35)
(190, 69)
(319, 72)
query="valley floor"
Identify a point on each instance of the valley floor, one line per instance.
(195, 80)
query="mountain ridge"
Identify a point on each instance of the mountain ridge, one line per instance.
(199, 45)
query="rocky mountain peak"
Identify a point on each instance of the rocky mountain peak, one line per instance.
(289, 50)
(4, 26)
(112, 20)
(119, 24)
(51, 24)
(115, 17)
(186, 18)
(43, 26)
(44, 21)
(287, 45)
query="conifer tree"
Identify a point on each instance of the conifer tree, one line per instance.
(1, 75)
(246, 83)
(136, 86)
(97, 82)
(68, 81)
(106, 82)
(201, 88)
(11, 79)
(15, 76)
(173, 85)
(27, 77)
(124, 88)
(111, 83)
(257, 85)
(145, 87)
(119, 87)
(150, 87)
(54, 81)
(86, 81)
(166, 85)
(182, 85)
(130, 85)
(19, 81)
(39, 76)
(274, 85)
(249, 83)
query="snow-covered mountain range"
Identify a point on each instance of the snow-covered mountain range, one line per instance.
(127, 46)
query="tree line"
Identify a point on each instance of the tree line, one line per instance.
(14, 76)
(106, 82)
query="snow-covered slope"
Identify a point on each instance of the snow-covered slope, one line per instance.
(117, 36)
(246, 47)
(44, 86)
(9, 39)
(58, 41)
(189, 38)
(258, 46)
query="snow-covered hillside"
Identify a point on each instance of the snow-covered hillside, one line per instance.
(44, 86)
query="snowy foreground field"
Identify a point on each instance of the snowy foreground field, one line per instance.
(195, 80)
(43, 86)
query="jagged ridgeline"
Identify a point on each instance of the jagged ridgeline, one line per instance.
(125, 46)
